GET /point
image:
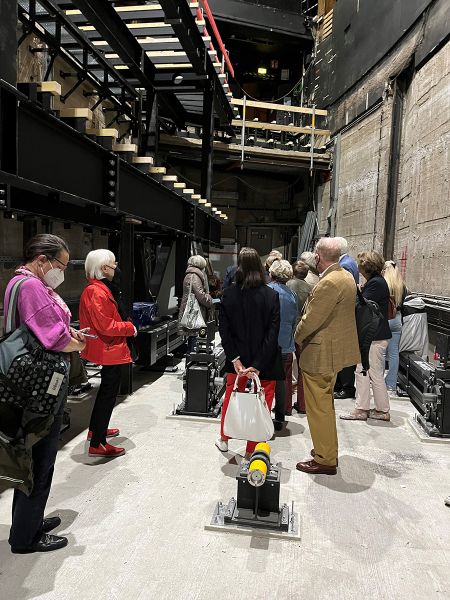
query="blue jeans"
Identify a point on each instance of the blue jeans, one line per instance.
(392, 353)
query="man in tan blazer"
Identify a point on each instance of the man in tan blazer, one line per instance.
(328, 339)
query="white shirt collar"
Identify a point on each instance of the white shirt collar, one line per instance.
(327, 269)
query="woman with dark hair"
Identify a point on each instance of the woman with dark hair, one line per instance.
(371, 265)
(249, 326)
(47, 316)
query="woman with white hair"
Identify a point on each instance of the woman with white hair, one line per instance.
(310, 259)
(197, 280)
(280, 273)
(100, 313)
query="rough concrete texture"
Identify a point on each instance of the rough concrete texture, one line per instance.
(423, 209)
(377, 530)
(362, 183)
(423, 203)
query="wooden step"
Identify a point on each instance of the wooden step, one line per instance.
(171, 178)
(196, 197)
(179, 185)
(157, 170)
(125, 148)
(103, 132)
(76, 113)
(188, 191)
(142, 160)
(50, 87)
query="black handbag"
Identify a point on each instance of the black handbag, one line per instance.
(31, 377)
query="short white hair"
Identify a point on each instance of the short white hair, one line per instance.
(343, 244)
(281, 270)
(329, 249)
(197, 261)
(95, 260)
(275, 253)
(309, 259)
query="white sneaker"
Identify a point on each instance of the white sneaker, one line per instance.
(222, 445)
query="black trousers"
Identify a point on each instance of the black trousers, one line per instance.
(283, 388)
(28, 511)
(190, 343)
(104, 403)
(345, 381)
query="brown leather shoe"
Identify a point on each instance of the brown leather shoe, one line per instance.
(313, 453)
(313, 468)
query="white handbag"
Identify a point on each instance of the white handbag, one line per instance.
(192, 318)
(248, 416)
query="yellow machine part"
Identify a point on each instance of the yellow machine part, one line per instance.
(258, 465)
(263, 447)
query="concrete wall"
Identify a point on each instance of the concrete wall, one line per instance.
(362, 185)
(422, 239)
(423, 210)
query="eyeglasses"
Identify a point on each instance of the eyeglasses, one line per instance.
(113, 268)
(61, 263)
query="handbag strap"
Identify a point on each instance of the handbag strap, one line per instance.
(254, 378)
(10, 322)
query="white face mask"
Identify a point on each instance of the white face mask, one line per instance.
(54, 277)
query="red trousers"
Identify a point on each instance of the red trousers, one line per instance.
(300, 390)
(269, 389)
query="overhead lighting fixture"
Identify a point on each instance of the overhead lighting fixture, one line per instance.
(262, 71)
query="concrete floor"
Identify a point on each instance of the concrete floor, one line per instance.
(378, 530)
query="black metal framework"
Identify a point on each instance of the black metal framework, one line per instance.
(44, 178)
(33, 22)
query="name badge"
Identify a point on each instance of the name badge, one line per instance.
(55, 384)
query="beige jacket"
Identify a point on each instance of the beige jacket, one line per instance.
(327, 329)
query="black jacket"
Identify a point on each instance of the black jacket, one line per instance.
(377, 289)
(249, 326)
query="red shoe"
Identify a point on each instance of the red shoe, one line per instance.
(106, 450)
(109, 433)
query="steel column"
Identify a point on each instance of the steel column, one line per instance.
(394, 161)
(207, 140)
(126, 260)
(8, 41)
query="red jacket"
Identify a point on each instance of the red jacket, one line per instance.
(98, 311)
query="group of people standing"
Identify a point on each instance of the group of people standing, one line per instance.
(268, 316)
(101, 339)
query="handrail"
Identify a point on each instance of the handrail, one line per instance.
(217, 35)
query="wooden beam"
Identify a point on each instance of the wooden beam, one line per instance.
(275, 127)
(296, 109)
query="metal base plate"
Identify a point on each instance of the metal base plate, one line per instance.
(194, 418)
(422, 433)
(218, 524)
